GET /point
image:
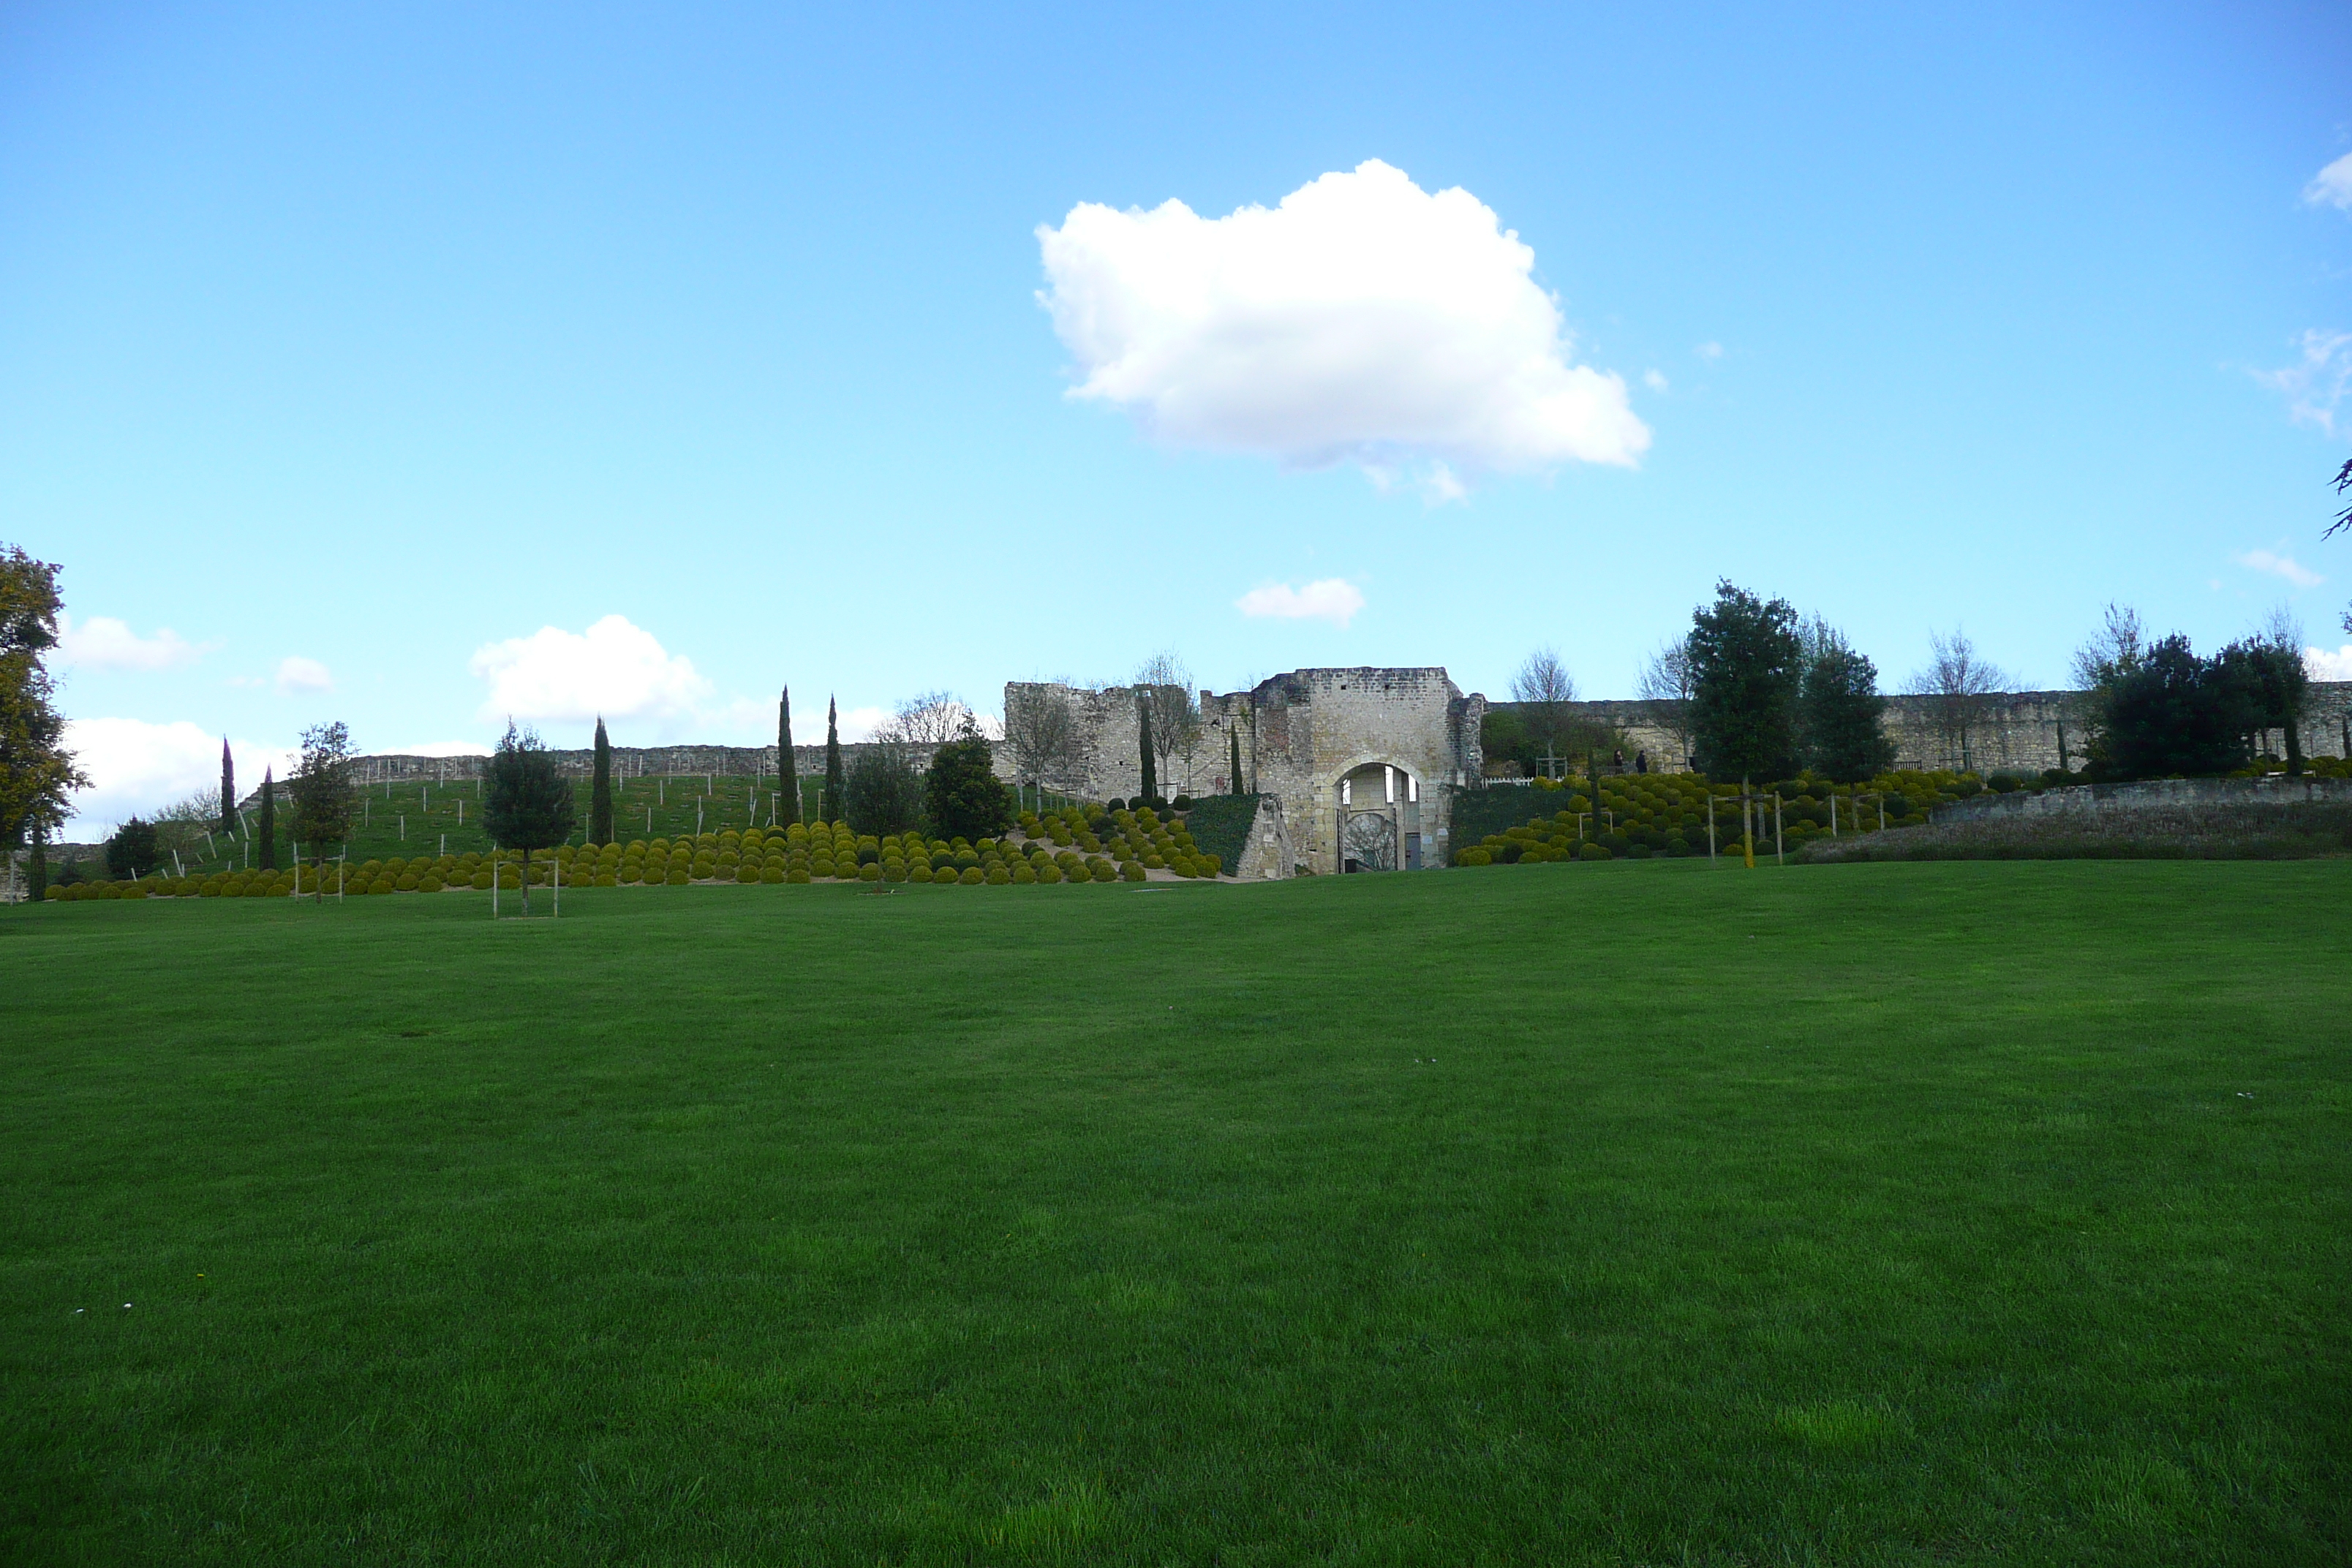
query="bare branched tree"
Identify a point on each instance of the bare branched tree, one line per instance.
(1041, 726)
(1961, 686)
(1665, 687)
(1166, 687)
(1543, 690)
(929, 719)
(2115, 651)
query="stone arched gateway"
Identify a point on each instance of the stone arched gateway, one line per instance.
(1378, 824)
(1307, 739)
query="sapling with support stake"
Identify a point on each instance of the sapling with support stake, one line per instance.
(531, 804)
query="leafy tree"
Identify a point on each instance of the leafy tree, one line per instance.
(37, 771)
(1503, 738)
(1143, 731)
(1839, 709)
(2173, 713)
(885, 793)
(962, 794)
(132, 851)
(269, 819)
(1235, 735)
(788, 776)
(321, 792)
(228, 792)
(833, 808)
(527, 806)
(2268, 681)
(600, 790)
(1747, 670)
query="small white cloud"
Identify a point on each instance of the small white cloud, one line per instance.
(298, 676)
(1334, 599)
(136, 767)
(2284, 566)
(1709, 352)
(2332, 186)
(1364, 319)
(104, 643)
(614, 668)
(2321, 665)
(2315, 388)
(1655, 380)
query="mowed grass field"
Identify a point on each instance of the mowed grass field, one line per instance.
(1641, 1214)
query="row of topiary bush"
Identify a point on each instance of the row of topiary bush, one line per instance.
(1639, 816)
(1138, 835)
(1092, 845)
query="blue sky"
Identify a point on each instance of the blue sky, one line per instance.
(378, 354)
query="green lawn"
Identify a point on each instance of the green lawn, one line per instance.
(1643, 1213)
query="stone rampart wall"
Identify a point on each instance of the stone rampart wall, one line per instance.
(2152, 795)
(2017, 731)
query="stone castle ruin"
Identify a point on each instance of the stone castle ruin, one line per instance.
(1355, 769)
(1354, 766)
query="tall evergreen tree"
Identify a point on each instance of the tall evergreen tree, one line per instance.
(40, 878)
(269, 819)
(1746, 672)
(788, 776)
(835, 804)
(228, 792)
(1236, 737)
(600, 792)
(529, 805)
(962, 794)
(1838, 710)
(1143, 732)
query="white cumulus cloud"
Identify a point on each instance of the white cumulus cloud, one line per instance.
(614, 668)
(2315, 387)
(296, 675)
(104, 643)
(2286, 566)
(135, 767)
(2332, 186)
(2322, 665)
(1333, 599)
(1364, 319)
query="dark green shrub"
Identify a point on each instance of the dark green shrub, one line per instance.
(1593, 852)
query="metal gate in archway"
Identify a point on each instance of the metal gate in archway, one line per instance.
(1368, 841)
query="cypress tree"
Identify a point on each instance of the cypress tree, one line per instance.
(788, 778)
(228, 792)
(836, 808)
(269, 819)
(1236, 737)
(40, 870)
(600, 792)
(1143, 731)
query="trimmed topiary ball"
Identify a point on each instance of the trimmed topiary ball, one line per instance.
(971, 877)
